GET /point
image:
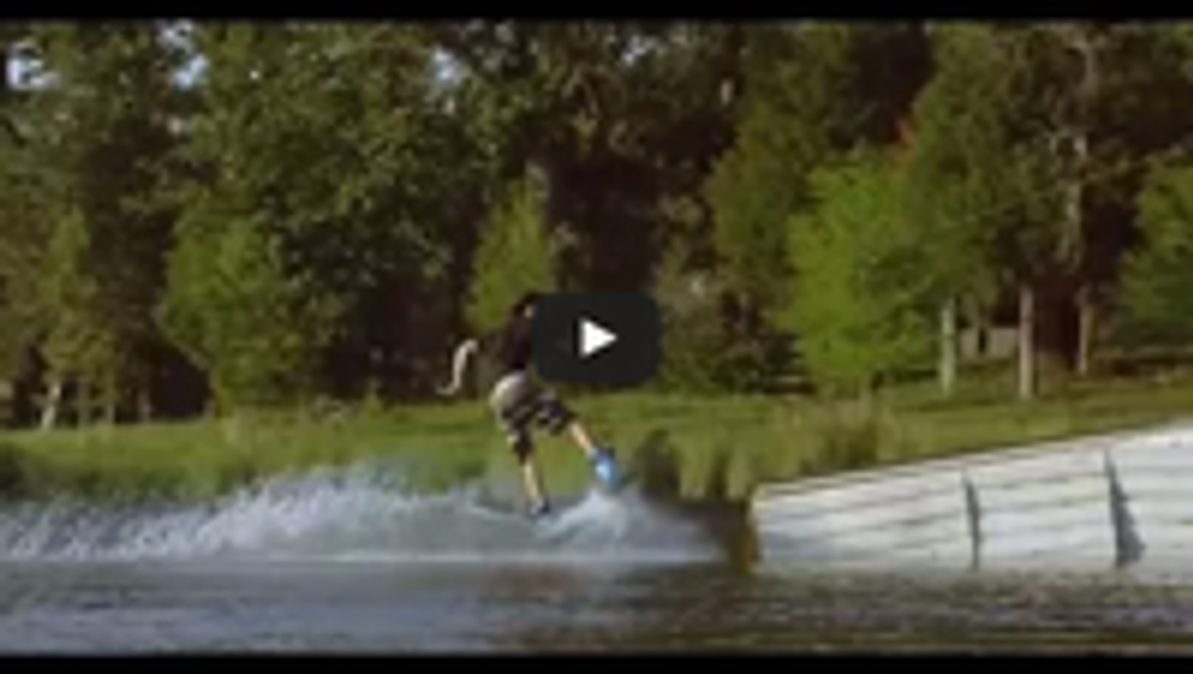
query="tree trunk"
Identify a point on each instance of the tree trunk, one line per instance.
(947, 367)
(51, 405)
(144, 405)
(1086, 327)
(1027, 346)
(1074, 249)
(980, 320)
(111, 401)
(84, 403)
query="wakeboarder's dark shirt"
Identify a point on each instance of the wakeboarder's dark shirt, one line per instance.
(511, 346)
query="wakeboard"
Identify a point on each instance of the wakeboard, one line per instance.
(560, 508)
(515, 509)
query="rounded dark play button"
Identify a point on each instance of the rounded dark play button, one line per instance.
(596, 338)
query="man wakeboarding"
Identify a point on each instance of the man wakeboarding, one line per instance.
(519, 403)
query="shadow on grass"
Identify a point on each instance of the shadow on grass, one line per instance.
(655, 468)
(12, 472)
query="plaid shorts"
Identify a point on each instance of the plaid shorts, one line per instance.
(520, 405)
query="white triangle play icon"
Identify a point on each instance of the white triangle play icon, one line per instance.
(594, 338)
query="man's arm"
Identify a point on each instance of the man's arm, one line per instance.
(464, 352)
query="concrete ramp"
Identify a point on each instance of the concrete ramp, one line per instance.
(1156, 478)
(1095, 502)
(908, 518)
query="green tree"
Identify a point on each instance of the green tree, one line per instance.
(24, 216)
(78, 342)
(239, 316)
(698, 353)
(860, 294)
(1156, 295)
(516, 254)
(368, 182)
(1112, 96)
(811, 93)
(623, 120)
(988, 180)
(98, 132)
(961, 186)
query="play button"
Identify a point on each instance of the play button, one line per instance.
(607, 339)
(594, 338)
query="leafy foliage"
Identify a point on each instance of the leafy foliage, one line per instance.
(860, 310)
(516, 254)
(1157, 288)
(318, 210)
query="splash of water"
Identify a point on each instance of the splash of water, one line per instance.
(360, 512)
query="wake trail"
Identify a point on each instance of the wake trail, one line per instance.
(356, 513)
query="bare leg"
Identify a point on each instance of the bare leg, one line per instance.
(582, 438)
(602, 462)
(532, 481)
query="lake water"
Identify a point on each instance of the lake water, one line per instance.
(342, 561)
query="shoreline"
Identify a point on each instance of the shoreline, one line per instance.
(717, 448)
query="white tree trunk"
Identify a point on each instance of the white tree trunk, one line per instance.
(111, 402)
(85, 403)
(947, 366)
(144, 405)
(1081, 40)
(1027, 346)
(1086, 329)
(51, 405)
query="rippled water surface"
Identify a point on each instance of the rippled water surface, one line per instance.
(343, 562)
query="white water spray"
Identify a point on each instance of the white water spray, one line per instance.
(347, 514)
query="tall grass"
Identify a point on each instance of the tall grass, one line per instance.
(697, 447)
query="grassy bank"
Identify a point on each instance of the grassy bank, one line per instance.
(701, 447)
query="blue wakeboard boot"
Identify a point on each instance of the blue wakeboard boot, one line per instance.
(604, 464)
